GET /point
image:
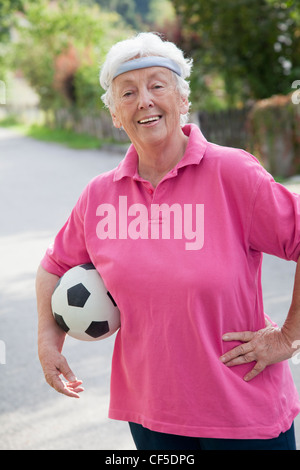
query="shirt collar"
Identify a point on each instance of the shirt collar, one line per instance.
(193, 154)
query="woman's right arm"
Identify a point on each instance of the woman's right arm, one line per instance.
(51, 339)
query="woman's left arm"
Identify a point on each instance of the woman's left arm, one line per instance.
(268, 345)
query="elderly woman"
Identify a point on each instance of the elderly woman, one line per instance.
(181, 254)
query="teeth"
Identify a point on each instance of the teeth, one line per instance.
(155, 118)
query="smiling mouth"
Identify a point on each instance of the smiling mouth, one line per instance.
(149, 119)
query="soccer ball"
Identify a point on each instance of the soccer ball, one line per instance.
(83, 307)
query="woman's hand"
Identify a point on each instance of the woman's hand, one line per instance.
(54, 365)
(51, 339)
(266, 346)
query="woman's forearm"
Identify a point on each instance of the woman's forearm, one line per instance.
(48, 330)
(51, 339)
(291, 326)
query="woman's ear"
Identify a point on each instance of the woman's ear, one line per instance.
(184, 105)
(116, 122)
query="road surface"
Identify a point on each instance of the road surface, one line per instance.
(39, 184)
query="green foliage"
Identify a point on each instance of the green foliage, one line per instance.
(88, 91)
(125, 8)
(7, 7)
(65, 137)
(140, 14)
(160, 12)
(7, 10)
(59, 39)
(253, 44)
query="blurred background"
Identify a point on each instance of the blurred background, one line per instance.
(245, 93)
(245, 81)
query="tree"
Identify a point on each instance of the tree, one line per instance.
(125, 8)
(161, 12)
(139, 13)
(7, 21)
(253, 44)
(142, 7)
(60, 38)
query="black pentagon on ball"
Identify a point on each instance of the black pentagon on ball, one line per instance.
(97, 329)
(77, 295)
(61, 322)
(87, 266)
(111, 298)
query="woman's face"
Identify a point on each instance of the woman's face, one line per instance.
(148, 105)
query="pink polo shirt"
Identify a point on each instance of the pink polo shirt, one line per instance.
(183, 263)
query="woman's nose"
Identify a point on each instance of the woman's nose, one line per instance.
(145, 99)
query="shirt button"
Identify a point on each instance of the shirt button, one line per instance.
(150, 191)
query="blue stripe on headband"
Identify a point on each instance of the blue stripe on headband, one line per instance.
(145, 62)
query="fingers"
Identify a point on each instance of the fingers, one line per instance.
(244, 353)
(244, 336)
(70, 387)
(240, 355)
(257, 369)
(65, 370)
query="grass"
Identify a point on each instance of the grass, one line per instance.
(62, 136)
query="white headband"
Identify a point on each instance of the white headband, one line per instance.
(145, 62)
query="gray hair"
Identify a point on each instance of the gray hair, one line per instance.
(143, 45)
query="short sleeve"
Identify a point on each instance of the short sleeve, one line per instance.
(69, 247)
(275, 224)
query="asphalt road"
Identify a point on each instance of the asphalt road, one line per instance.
(39, 184)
